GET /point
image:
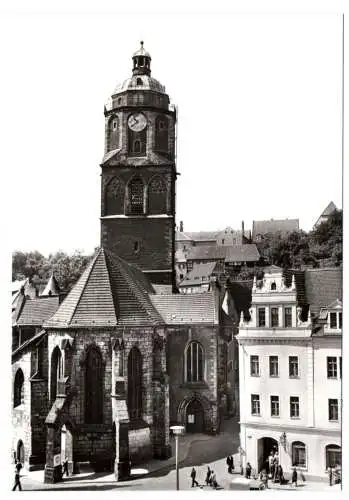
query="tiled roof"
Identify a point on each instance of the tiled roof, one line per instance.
(200, 270)
(242, 253)
(180, 236)
(162, 289)
(186, 309)
(37, 311)
(206, 252)
(52, 287)
(323, 287)
(109, 155)
(202, 235)
(233, 253)
(331, 207)
(109, 292)
(25, 344)
(273, 226)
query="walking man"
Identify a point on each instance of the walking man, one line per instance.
(248, 470)
(208, 476)
(17, 476)
(193, 476)
(229, 464)
(294, 477)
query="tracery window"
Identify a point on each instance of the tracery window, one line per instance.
(115, 197)
(134, 384)
(93, 386)
(56, 370)
(157, 196)
(194, 362)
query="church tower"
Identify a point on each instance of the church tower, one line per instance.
(139, 173)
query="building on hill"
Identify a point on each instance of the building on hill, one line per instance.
(273, 226)
(231, 257)
(290, 360)
(331, 207)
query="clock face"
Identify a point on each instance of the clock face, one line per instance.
(137, 122)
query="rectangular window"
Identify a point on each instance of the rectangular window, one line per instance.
(261, 316)
(288, 317)
(294, 407)
(274, 406)
(255, 404)
(274, 314)
(339, 320)
(254, 364)
(333, 409)
(331, 367)
(273, 366)
(293, 366)
(333, 320)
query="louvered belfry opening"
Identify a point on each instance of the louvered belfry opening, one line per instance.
(134, 389)
(94, 387)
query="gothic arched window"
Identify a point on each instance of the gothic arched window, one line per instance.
(136, 196)
(93, 386)
(134, 384)
(56, 370)
(113, 133)
(161, 134)
(18, 392)
(194, 362)
(115, 197)
(157, 196)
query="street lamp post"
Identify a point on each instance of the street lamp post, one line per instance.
(177, 431)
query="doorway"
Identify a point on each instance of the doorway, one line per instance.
(264, 447)
(67, 447)
(195, 417)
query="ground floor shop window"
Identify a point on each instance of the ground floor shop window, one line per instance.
(298, 454)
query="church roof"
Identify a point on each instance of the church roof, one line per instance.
(134, 83)
(110, 292)
(186, 309)
(36, 311)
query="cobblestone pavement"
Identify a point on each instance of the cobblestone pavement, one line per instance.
(195, 450)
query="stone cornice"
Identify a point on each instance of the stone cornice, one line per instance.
(290, 428)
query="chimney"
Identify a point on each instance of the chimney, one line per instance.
(181, 226)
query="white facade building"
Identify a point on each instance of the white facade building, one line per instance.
(290, 372)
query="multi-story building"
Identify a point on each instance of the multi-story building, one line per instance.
(290, 371)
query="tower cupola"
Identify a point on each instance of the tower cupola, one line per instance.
(141, 62)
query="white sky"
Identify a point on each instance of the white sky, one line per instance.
(259, 124)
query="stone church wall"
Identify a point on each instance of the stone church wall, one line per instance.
(21, 415)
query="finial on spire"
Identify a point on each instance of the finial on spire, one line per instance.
(142, 43)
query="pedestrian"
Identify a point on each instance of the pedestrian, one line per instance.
(232, 463)
(281, 474)
(270, 469)
(208, 476)
(228, 464)
(193, 476)
(294, 477)
(17, 476)
(264, 477)
(65, 468)
(248, 470)
(214, 483)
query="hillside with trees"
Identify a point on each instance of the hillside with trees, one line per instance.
(321, 247)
